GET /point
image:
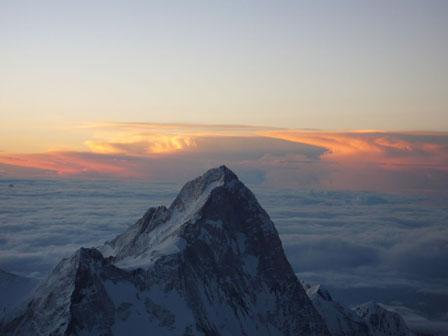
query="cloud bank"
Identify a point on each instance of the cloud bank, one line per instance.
(359, 160)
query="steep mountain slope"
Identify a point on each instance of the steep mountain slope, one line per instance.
(382, 322)
(210, 264)
(340, 320)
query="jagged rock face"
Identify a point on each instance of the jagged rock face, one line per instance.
(340, 320)
(210, 264)
(382, 322)
(72, 299)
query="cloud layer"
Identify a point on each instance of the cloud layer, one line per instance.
(359, 160)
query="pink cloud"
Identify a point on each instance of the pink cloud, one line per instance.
(368, 160)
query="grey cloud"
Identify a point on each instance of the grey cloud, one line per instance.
(315, 253)
(253, 148)
(422, 256)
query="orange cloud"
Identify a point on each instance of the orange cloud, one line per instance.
(337, 144)
(161, 144)
(384, 149)
(70, 163)
(362, 159)
(150, 138)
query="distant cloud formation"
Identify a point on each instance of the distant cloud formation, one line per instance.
(355, 160)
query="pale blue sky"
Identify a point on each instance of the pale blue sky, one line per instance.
(303, 64)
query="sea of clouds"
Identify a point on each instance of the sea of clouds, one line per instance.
(363, 246)
(367, 246)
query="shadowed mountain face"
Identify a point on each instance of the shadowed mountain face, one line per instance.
(210, 264)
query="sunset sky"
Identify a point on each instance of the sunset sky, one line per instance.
(333, 112)
(316, 94)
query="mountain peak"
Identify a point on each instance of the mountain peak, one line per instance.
(340, 320)
(209, 198)
(312, 290)
(85, 255)
(382, 321)
(222, 174)
(223, 171)
(199, 188)
(210, 264)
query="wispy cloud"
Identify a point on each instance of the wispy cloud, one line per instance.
(72, 163)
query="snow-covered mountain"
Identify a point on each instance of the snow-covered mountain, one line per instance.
(210, 264)
(341, 321)
(14, 290)
(382, 322)
(369, 319)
